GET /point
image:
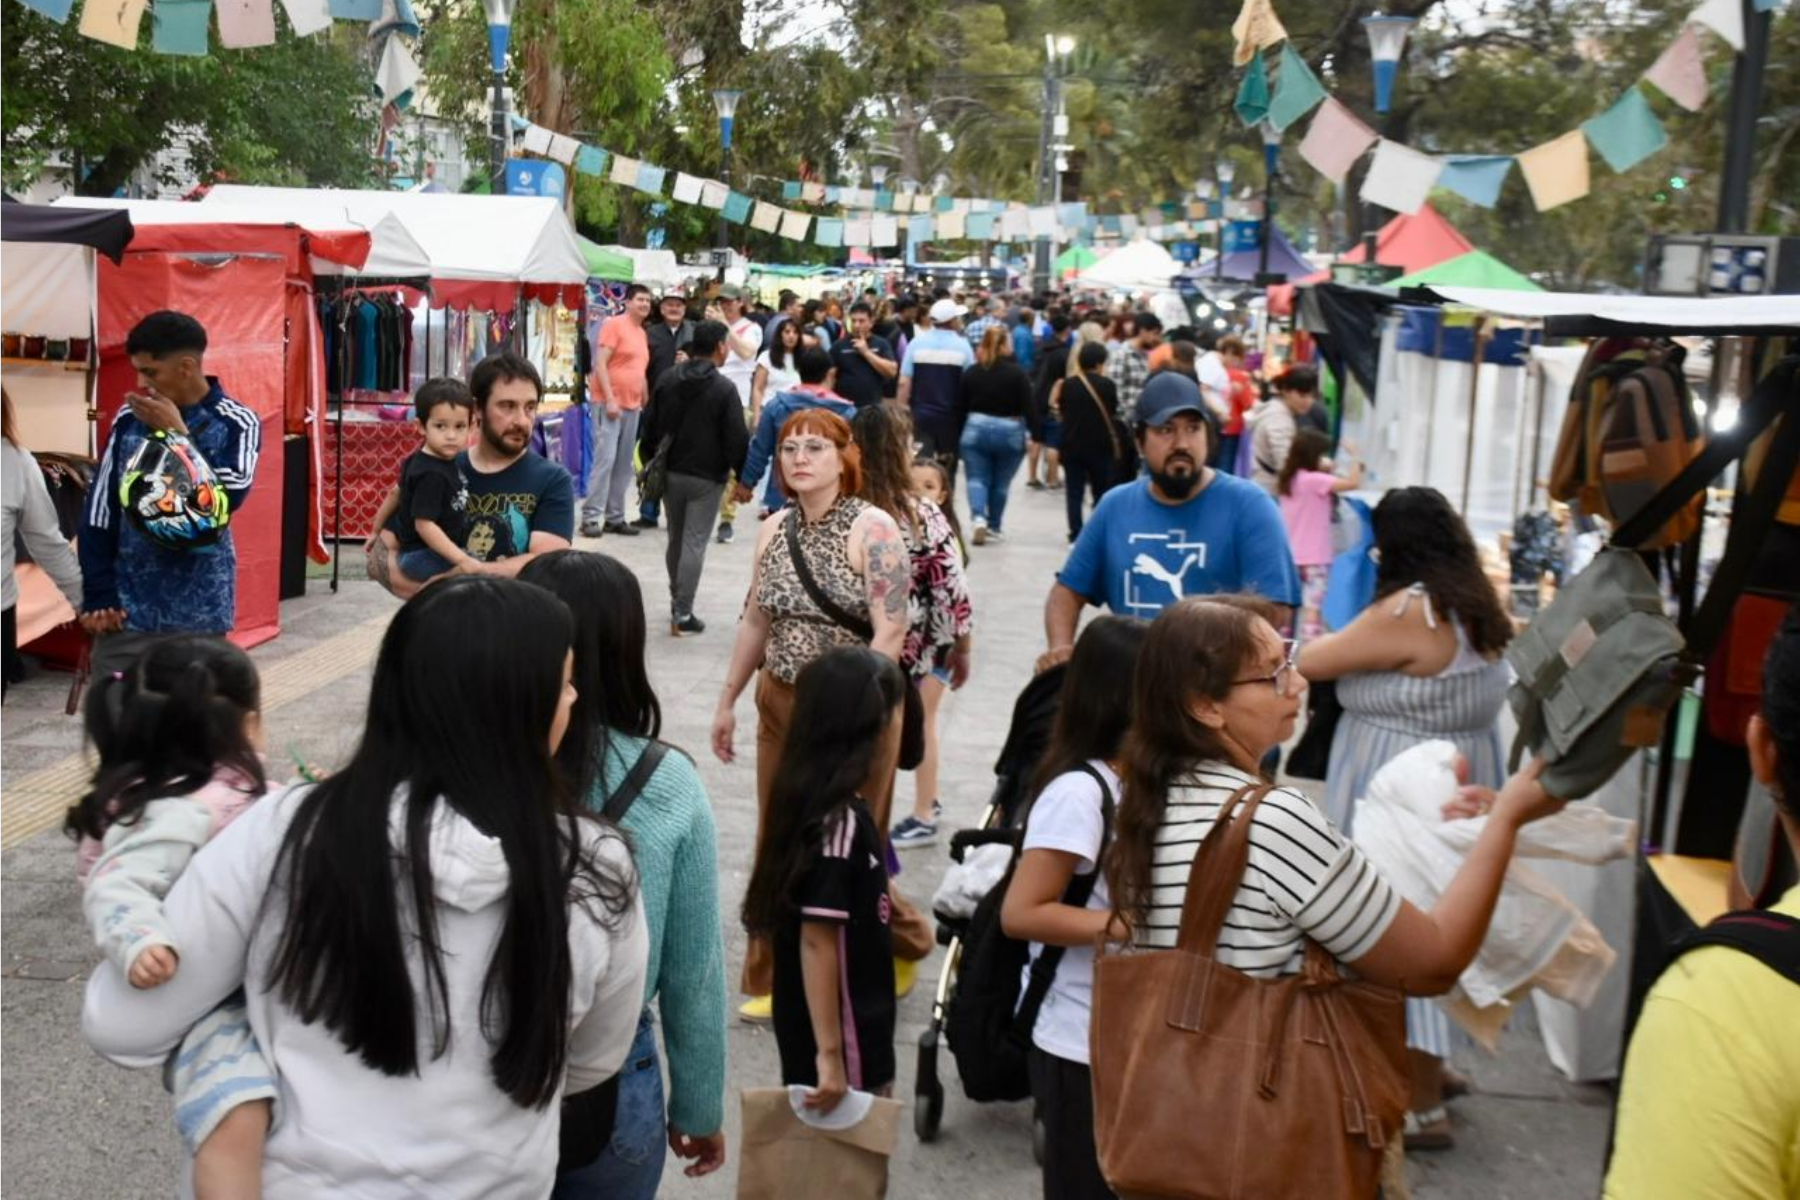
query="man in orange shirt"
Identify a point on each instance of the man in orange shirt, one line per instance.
(616, 401)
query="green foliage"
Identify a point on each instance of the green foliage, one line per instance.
(298, 112)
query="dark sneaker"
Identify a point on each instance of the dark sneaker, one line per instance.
(592, 529)
(645, 523)
(1036, 485)
(913, 832)
(726, 533)
(622, 529)
(686, 626)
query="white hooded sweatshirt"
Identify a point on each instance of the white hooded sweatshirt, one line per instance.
(342, 1128)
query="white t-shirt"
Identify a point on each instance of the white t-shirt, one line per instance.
(1067, 816)
(781, 379)
(742, 371)
(1303, 877)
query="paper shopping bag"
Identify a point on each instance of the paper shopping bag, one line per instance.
(842, 1154)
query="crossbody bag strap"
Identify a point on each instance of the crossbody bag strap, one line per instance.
(620, 802)
(1218, 871)
(1076, 895)
(831, 608)
(1106, 418)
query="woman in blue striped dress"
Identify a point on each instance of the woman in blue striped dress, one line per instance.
(1421, 663)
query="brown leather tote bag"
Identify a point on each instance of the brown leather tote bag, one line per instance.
(1210, 1084)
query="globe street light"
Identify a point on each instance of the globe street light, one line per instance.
(1387, 41)
(499, 23)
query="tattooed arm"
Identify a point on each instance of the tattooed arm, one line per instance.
(878, 549)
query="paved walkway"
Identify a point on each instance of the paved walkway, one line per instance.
(77, 1127)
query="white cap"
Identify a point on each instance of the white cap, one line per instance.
(946, 310)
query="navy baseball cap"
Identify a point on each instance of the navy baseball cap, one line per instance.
(1167, 395)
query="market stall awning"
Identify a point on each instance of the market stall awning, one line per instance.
(1142, 264)
(1247, 264)
(1414, 241)
(1075, 258)
(483, 250)
(603, 263)
(340, 247)
(1572, 314)
(107, 232)
(1476, 269)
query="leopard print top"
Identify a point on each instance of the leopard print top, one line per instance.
(798, 631)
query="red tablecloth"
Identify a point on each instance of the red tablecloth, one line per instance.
(373, 452)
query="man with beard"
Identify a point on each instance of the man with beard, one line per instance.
(519, 504)
(1184, 530)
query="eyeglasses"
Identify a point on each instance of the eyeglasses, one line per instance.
(1284, 676)
(812, 449)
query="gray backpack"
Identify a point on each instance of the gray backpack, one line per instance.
(1597, 672)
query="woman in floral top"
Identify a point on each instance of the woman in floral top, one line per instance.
(858, 559)
(940, 618)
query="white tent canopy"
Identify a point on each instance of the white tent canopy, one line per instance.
(1142, 264)
(1677, 313)
(506, 240)
(654, 268)
(393, 251)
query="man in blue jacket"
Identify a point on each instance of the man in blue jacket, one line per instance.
(814, 391)
(166, 566)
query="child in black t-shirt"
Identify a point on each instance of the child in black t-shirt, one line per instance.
(433, 497)
(819, 889)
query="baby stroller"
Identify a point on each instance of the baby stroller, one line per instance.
(1034, 712)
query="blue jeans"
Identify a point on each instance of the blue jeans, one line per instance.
(423, 563)
(992, 449)
(631, 1167)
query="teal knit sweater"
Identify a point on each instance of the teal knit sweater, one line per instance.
(674, 844)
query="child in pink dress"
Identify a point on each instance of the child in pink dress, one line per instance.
(1308, 492)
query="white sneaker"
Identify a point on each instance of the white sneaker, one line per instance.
(981, 531)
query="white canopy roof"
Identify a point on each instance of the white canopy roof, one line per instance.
(500, 239)
(393, 251)
(1673, 313)
(655, 268)
(1142, 264)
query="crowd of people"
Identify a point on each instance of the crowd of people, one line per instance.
(442, 966)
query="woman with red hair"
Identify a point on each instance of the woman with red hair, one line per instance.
(827, 544)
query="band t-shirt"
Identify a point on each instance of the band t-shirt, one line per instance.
(846, 885)
(505, 507)
(431, 489)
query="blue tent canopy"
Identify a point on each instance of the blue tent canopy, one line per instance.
(1246, 264)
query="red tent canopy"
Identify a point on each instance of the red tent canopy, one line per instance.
(1411, 241)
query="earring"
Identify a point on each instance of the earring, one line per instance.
(1375, 554)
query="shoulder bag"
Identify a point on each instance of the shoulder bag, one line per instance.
(1121, 457)
(1287, 1087)
(912, 736)
(653, 477)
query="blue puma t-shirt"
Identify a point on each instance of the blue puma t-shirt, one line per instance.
(1138, 555)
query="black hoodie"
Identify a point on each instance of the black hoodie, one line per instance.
(700, 408)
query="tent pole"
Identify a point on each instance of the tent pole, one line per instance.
(1481, 338)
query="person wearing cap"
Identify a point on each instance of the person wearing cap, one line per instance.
(743, 343)
(668, 337)
(931, 381)
(1129, 365)
(1182, 530)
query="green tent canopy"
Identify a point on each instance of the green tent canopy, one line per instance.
(1075, 258)
(1477, 269)
(606, 264)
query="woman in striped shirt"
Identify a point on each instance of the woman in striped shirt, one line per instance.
(1216, 690)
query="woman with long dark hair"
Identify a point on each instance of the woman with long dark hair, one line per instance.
(433, 944)
(819, 890)
(1097, 448)
(653, 791)
(1065, 836)
(940, 617)
(1217, 688)
(1420, 663)
(776, 368)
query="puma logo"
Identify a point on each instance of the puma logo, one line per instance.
(1146, 565)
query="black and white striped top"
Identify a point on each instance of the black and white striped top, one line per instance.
(1303, 877)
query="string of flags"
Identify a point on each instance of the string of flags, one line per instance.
(1399, 178)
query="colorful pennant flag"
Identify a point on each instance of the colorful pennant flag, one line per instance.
(828, 232)
(1335, 140)
(591, 160)
(624, 171)
(919, 229)
(980, 226)
(856, 232)
(714, 194)
(246, 23)
(563, 149)
(57, 10)
(113, 21)
(687, 188)
(306, 16)
(536, 140)
(1256, 27)
(650, 179)
(1680, 71)
(1477, 178)
(1725, 18)
(1252, 103)
(180, 26)
(737, 208)
(1297, 90)
(884, 231)
(765, 217)
(812, 193)
(1557, 171)
(1399, 178)
(1627, 133)
(794, 225)
(356, 10)
(790, 190)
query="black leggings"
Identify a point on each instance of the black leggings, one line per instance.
(1064, 1092)
(12, 670)
(1084, 475)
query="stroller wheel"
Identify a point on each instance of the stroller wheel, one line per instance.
(928, 1115)
(1037, 1139)
(928, 1092)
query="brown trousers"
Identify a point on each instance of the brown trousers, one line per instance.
(913, 932)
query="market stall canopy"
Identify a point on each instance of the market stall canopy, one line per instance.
(654, 268)
(335, 247)
(1414, 241)
(483, 250)
(1283, 259)
(1476, 269)
(1075, 258)
(1572, 314)
(603, 263)
(1142, 264)
(107, 232)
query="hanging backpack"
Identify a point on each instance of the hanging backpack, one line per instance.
(1629, 430)
(989, 1024)
(1597, 672)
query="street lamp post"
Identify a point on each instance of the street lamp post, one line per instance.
(1271, 137)
(1226, 173)
(499, 23)
(1387, 42)
(1055, 125)
(725, 100)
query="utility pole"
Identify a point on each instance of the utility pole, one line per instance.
(1056, 49)
(1740, 124)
